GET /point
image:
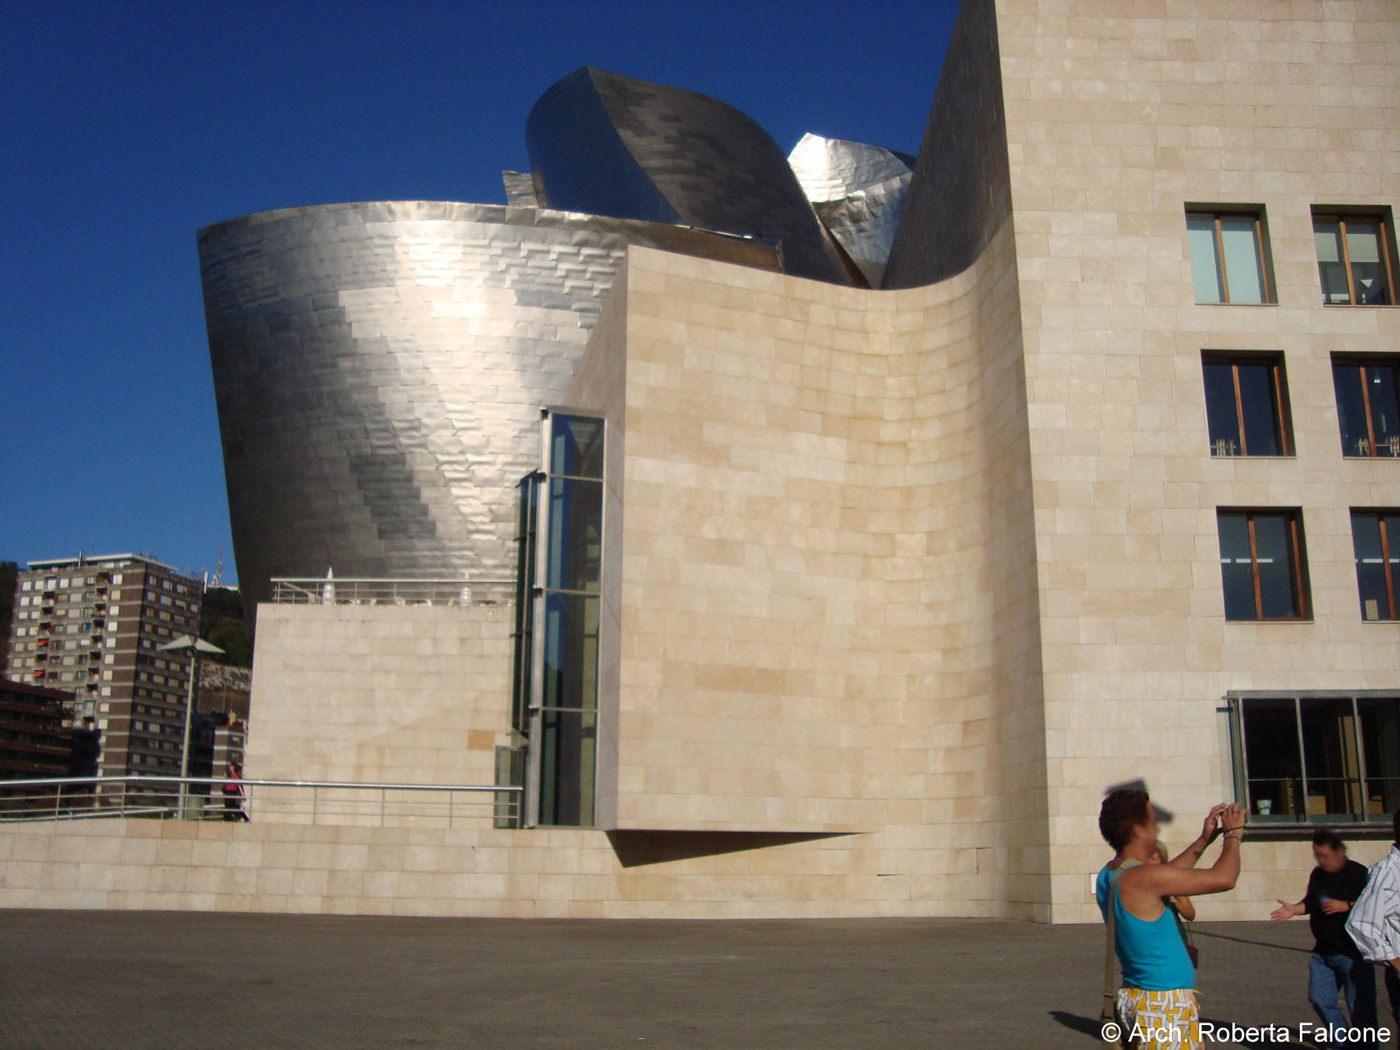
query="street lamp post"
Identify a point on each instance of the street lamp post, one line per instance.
(195, 646)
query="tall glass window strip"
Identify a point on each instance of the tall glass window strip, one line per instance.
(1375, 536)
(526, 542)
(1262, 565)
(1229, 263)
(1355, 259)
(1319, 758)
(560, 686)
(1247, 405)
(1368, 405)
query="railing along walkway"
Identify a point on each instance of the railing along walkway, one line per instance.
(333, 590)
(282, 801)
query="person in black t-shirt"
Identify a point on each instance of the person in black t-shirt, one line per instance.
(1336, 965)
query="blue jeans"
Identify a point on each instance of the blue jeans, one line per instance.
(1330, 974)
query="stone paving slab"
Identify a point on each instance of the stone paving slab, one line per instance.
(176, 980)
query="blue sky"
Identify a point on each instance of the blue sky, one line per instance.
(125, 127)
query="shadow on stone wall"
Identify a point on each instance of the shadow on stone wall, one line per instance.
(635, 848)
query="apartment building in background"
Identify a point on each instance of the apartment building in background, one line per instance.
(91, 627)
(35, 738)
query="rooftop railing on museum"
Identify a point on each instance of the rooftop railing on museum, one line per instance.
(322, 802)
(336, 590)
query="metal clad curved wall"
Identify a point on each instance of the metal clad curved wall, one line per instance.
(379, 369)
(580, 159)
(963, 158)
(858, 192)
(612, 145)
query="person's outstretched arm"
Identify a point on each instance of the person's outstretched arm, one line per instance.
(1287, 910)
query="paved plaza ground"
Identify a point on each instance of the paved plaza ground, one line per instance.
(181, 981)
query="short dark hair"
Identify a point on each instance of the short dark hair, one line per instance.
(1329, 838)
(1122, 811)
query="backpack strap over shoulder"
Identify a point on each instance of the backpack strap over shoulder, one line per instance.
(1110, 984)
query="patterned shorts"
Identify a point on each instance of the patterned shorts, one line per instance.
(1159, 1020)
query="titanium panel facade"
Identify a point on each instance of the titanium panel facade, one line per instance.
(379, 369)
(857, 191)
(610, 145)
(963, 157)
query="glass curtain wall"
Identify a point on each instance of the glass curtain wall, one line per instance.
(558, 615)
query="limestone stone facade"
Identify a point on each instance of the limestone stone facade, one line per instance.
(896, 582)
(380, 693)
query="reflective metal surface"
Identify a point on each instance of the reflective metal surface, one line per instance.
(963, 157)
(379, 369)
(858, 193)
(520, 189)
(610, 145)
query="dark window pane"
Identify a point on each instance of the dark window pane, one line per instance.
(1367, 267)
(1244, 267)
(570, 651)
(1205, 263)
(1272, 760)
(575, 535)
(1235, 567)
(1385, 408)
(1380, 733)
(1331, 264)
(568, 754)
(1392, 533)
(1260, 416)
(524, 605)
(1273, 543)
(577, 446)
(1333, 762)
(1351, 409)
(1370, 566)
(1221, 414)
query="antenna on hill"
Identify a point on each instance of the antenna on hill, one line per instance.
(219, 572)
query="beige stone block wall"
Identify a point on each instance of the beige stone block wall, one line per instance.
(827, 569)
(1119, 114)
(410, 694)
(463, 871)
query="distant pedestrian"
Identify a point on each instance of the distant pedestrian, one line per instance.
(1336, 965)
(1156, 1006)
(1374, 922)
(233, 793)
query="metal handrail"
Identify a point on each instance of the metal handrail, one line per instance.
(106, 796)
(362, 590)
(155, 778)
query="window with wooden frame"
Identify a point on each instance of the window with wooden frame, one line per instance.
(1368, 404)
(1263, 564)
(1375, 537)
(1247, 404)
(1229, 255)
(1355, 256)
